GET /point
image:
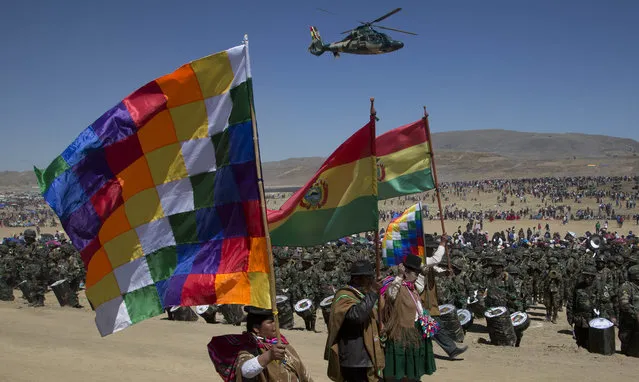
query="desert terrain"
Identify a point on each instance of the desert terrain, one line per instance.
(63, 344)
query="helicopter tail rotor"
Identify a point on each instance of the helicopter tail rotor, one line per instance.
(317, 45)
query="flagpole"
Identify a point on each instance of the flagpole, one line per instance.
(260, 181)
(373, 116)
(432, 163)
(378, 259)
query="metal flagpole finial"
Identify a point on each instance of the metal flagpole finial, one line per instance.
(373, 111)
(245, 40)
(425, 112)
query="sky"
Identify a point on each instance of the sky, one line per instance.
(526, 65)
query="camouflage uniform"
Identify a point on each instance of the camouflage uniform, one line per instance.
(586, 298)
(35, 274)
(553, 285)
(520, 287)
(501, 289)
(607, 292)
(629, 313)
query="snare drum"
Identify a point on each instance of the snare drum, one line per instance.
(520, 321)
(465, 318)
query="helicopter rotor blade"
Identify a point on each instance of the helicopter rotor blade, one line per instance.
(385, 16)
(396, 30)
(324, 10)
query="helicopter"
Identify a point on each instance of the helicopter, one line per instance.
(360, 40)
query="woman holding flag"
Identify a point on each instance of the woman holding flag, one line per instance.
(408, 326)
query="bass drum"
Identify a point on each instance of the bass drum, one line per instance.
(601, 336)
(207, 312)
(450, 322)
(285, 312)
(520, 321)
(233, 313)
(182, 313)
(465, 318)
(500, 327)
(304, 308)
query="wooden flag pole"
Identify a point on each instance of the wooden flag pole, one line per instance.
(260, 181)
(378, 260)
(432, 164)
(378, 255)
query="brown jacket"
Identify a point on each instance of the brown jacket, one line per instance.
(429, 295)
(293, 370)
(343, 300)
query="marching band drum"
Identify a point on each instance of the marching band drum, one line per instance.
(207, 312)
(325, 305)
(304, 308)
(520, 321)
(465, 318)
(285, 312)
(500, 326)
(450, 321)
(601, 336)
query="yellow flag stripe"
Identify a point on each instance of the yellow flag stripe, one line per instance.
(409, 160)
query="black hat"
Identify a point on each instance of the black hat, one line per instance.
(413, 262)
(429, 241)
(255, 311)
(362, 268)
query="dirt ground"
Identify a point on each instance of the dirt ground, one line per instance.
(62, 344)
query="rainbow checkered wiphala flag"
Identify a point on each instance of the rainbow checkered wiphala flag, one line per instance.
(404, 236)
(160, 196)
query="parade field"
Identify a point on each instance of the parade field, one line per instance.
(62, 344)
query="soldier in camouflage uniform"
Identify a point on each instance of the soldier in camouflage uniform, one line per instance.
(8, 273)
(500, 288)
(33, 270)
(586, 298)
(520, 287)
(309, 285)
(461, 286)
(607, 292)
(629, 313)
(553, 285)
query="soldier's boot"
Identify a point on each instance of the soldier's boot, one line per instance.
(554, 316)
(548, 314)
(74, 301)
(307, 324)
(37, 300)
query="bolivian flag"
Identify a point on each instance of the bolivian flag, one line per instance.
(339, 200)
(403, 161)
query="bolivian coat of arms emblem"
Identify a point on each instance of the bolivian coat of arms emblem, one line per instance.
(316, 196)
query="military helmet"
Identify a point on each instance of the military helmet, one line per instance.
(458, 263)
(633, 272)
(553, 260)
(513, 270)
(497, 261)
(589, 270)
(29, 233)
